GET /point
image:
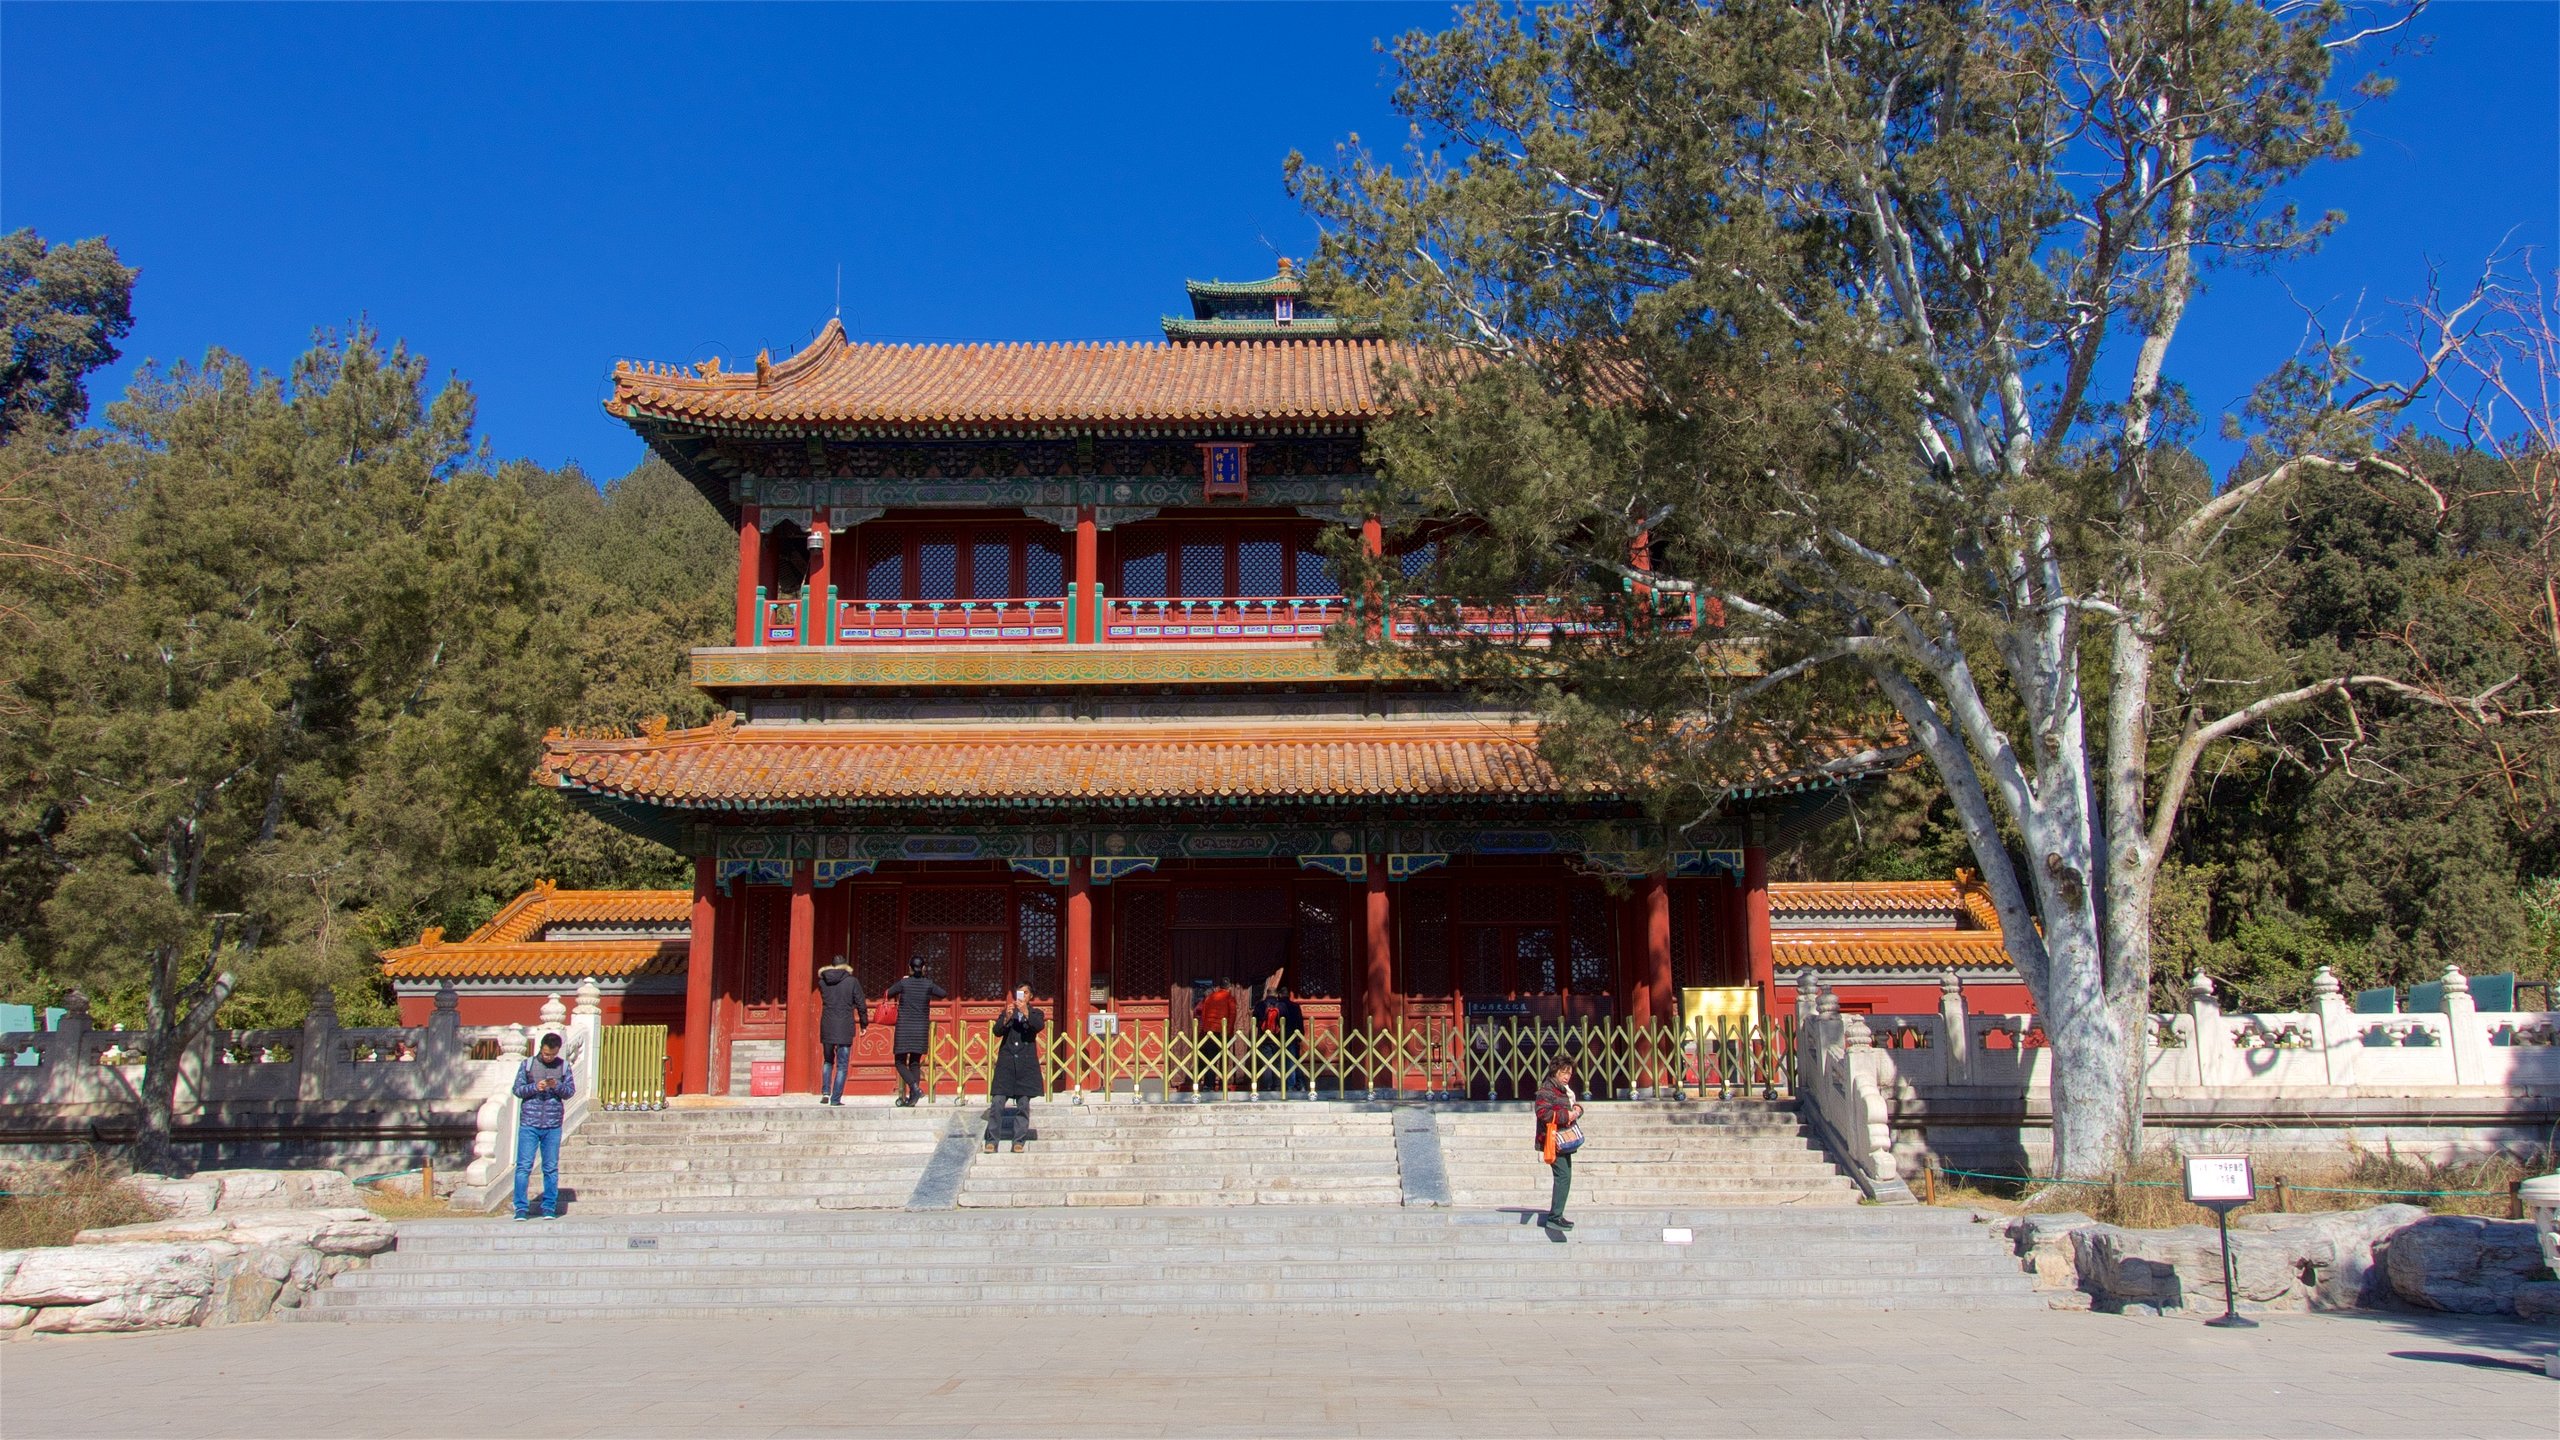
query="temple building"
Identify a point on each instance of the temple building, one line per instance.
(1030, 683)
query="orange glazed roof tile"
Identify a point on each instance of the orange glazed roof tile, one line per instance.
(1916, 950)
(512, 946)
(836, 382)
(1864, 897)
(537, 960)
(780, 766)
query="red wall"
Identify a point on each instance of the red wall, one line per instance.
(1886, 997)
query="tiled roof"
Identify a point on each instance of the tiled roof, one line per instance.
(1958, 929)
(837, 383)
(513, 945)
(784, 766)
(732, 767)
(1790, 900)
(1926, 951)
(1310, 327)
(537, 960)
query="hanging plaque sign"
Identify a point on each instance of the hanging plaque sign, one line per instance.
(1222, 471)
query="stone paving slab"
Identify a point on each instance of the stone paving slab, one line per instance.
(1790, 1373)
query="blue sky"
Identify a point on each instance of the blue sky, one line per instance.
(526, 193)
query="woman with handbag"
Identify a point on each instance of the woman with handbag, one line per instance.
(1559, 1136)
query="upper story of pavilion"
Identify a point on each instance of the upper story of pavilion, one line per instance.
(920, 500)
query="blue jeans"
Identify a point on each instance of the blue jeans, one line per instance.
(839, 1061)
(543, 1140)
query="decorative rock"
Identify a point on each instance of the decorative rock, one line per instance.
(13, 1316)
(2341, 1250)
(119, 1313)
(345, 1231)
(2147, 1312)
(2457, 1263)
(2539, 1302)
(2182, 1268)
(2042, 1244)
(178, 1197)
(91, 1274)
(282, 1189)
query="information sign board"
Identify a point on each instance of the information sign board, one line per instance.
(2220, 1179)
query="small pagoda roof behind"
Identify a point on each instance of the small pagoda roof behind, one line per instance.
(551, 934)
(1888, 927)
(1276, 308)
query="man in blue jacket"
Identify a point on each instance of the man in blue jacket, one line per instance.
(544, 1082)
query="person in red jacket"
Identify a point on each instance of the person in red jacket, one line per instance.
(1558, 1111)
(1216, 1016)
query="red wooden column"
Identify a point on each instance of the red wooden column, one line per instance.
(800, 1012)
(1659, 986)
(1373, 543)
(1756, 950)
(699, 948)
(818, 627)
(750, 569)
(1634, 975)
(1378, 954)
(1076, 986)
(1087, 592)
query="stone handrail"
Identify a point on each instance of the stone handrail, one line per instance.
(1842, 1080)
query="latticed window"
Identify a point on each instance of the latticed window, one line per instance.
(991, 569)
(1044, 568)
(1204, 567)
(766, 935)
(884, 566)
(938, 566)
(953, 908)
(1223, 907)
(1143, 945)
(982, 965)
(1036, 938)
(1314, 573)
(1588, 933)
(876, 961)
(1424, 956)
(1262, 567)
(1319, 964)
(1698, 939)
(1418, 560)
(1142, 568)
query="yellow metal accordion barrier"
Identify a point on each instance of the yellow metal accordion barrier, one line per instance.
(1709, 1057)
(631, 1068)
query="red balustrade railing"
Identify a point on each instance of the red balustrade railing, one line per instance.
(1228, 617)
(1530, 619)
(914, 622)
(780, 622)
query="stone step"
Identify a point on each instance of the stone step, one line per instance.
(1184, 1226)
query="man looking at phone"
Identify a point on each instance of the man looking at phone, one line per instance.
(544, 1082)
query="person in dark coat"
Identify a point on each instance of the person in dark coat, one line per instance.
(842, 1012)
(1018, 1079)
(914, 997)
(1557, 1110)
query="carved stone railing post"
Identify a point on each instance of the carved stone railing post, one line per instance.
(2339, 1042)
(1870, 1128)
(73, 1077)
(2212, 1046)
(585, 1053)
(1954, 1051)
(2465, 1035)
(313, 1059)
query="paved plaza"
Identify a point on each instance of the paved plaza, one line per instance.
(1800, 1373)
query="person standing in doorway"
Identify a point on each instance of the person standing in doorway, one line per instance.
(544, 1083)
(1018, 1079)
(1559, 1135)
(914, 997)
(1216, 1016)
(842, 1012)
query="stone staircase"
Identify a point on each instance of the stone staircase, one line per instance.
(1293, 1259)
(776, 1156)
(1120, 1153)
(1646, 1155)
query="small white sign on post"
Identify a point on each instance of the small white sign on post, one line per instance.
(1102, 1022)
(1676, 1235)
(2220, 1179)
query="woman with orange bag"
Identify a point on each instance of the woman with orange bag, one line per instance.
(1559, 1135)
